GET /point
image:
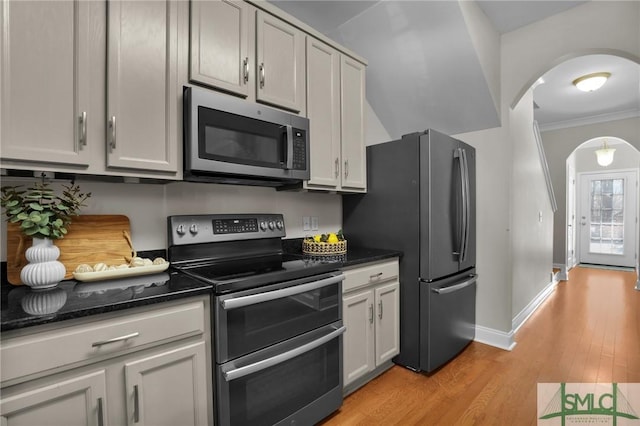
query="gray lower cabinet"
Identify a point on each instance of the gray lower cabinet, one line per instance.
(66, 400)
(372, 317)
(151, 366)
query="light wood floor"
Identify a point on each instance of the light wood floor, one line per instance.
(588, 330)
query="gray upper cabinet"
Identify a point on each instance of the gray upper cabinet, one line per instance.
(323, 111)
(45, 50)
(142, 85)
(335, 107)
(281, 63)
(220, 35)
(352, 94)
(241, 50)
(92, 86)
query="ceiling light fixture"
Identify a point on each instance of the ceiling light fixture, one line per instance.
(591, 82)
(605, 154)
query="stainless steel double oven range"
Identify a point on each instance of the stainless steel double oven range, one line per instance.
(277, 318)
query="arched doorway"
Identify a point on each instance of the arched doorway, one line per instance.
(562, 137)
(602, 205)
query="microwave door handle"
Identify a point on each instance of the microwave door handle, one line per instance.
(289, 145)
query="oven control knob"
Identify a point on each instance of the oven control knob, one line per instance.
(263, 225)
(271, 225)
(193, 229)
(180, 230)
(279, 225)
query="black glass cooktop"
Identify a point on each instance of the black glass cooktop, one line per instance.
(232, 275)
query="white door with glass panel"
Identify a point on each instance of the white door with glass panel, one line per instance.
(607, 218)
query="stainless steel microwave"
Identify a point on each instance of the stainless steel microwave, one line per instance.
(230, 140)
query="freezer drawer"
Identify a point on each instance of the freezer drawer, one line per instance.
(449, 319)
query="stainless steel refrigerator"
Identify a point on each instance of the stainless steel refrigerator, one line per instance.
(421, 199)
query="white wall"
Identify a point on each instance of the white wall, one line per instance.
(532, 216)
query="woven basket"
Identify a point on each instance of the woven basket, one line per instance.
(324, 249)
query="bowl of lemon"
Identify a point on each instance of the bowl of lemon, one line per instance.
(325, 244)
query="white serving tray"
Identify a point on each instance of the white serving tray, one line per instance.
(120, 273)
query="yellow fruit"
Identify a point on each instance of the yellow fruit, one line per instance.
(333, 238)
(316, 238)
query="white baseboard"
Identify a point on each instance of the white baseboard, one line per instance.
(496, 338)
(503, 340)
(524, 315)
(563, 274)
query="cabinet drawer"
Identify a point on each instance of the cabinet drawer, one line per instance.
(369, 274)
(24, 355)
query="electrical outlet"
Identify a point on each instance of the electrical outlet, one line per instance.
(314, 223)
(306, 223)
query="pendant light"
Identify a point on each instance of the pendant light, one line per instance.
(605, 154)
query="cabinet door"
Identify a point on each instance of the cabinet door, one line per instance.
(169, 388)
(75, 401)
(44, 81)
(387, 298)
(358, 343)
(323, 111)
(142, 85)
(219, 45)
(281, 63)
(354, 174)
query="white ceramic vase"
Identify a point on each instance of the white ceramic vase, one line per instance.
(43, 269)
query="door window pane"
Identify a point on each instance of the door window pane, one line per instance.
(607, 216)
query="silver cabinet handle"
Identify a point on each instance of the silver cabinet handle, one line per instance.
(112, 128)
(82, 138)
(371, 313)
(337, 168)
(239, 302)
(451, 289)
(115, 339)
(380, 309)
(100, 413)
(374, 276)
(346, 168)
(136, 404)
(245, 67)
(285, 356)
(262, 75)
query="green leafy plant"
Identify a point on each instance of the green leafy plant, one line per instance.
(39, 211)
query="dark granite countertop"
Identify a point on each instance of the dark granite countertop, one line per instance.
(355, 255)
(22, 307)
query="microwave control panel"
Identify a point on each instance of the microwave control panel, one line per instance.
(299, 149)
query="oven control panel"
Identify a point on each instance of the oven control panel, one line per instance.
(195, 229)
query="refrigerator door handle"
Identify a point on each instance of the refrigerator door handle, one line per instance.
(465, 205)
(459, 155)
(457, 287)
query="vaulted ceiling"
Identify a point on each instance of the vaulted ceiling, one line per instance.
(424, 71)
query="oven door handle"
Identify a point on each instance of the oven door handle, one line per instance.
(242, 301)
(285, 356)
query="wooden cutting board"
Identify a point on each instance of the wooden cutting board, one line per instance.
(91, 239)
